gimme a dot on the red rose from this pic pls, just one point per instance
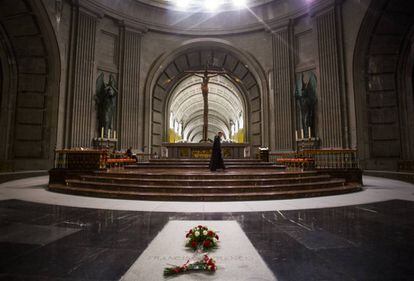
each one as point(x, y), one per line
point(217, 237)
point(194, 244)
point(207, 243)
point(213, 267)
point(200, 226)
point(210, 233)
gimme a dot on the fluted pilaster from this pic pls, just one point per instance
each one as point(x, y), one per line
point(283, 92)
point(131, 122)
point(331, 101)
point(82, 79)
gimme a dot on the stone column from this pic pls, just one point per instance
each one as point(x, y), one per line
point(82, 79)
point(131, 119)
point(332, 106)
point(283, 90)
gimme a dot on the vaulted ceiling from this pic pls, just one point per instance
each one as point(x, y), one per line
point(224, 101)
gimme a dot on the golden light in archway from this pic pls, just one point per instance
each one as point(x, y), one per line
point(226, 111)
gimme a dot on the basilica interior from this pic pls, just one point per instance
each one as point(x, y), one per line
point(110, 119)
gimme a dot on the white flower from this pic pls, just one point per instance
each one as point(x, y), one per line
point(214, 240)
point(205, 232)
point(197, 233)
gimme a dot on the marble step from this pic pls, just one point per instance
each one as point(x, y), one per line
point(286, 194)
point(204, 166)
point(201, 175)
point(205, 182)
point(204, 160)
point(192, 162)
point(204, 189)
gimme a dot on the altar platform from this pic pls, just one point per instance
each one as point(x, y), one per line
point(203, 150)
point(190, 180)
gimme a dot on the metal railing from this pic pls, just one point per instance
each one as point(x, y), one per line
point(333, 158)
point(319, 158)
point(144, 157)
point(84, 159)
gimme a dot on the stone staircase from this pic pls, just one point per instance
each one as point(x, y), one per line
point(173, 180)
point(204, 163)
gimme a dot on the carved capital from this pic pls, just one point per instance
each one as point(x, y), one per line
point(133, 26)
point(279, 26)
point(86, 8)
point(323, 6)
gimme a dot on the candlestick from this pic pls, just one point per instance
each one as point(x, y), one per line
point(309, 132)
point(296, 135)
point(109, 133)
point(102, 132)
point(301, 134)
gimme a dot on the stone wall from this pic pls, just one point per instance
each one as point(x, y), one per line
point(296, 43)
point(384, 102)
point(30, 90)
point(104, 36)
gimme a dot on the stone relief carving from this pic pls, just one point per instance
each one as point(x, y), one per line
point(305, 94)
point(105, 101)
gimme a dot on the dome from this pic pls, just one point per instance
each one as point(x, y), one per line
point(204, 5)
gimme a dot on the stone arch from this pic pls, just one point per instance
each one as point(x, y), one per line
point(381, 133)
point(225, 103)
point(31, 69)
point(170, 68)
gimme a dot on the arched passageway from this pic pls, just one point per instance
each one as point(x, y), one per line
point(241, 89)
point(225, 106)
point(384, 103)
point(30, 67)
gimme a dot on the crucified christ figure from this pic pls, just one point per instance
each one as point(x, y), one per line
point(206, 75)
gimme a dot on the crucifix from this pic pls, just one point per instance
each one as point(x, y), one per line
point(206, 75)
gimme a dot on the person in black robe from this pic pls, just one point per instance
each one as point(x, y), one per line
point(216, 161)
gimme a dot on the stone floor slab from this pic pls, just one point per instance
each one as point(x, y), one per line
point(33, 234)
point(236, 257)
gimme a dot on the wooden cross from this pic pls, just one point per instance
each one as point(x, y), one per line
point(206, 74)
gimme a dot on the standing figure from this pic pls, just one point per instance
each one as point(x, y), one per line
point(105, 101)
point(216, 161)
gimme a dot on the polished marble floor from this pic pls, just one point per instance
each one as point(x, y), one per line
point(375, 189)
point(371, 241)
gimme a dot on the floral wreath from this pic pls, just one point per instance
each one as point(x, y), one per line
point(205, 264)
point(201, 237)
point(198, 238)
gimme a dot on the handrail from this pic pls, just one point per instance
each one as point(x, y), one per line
point(86, 158)
point(80, 159)
point(323, 158)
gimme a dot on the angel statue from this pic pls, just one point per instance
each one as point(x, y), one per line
point(305, 95)
point(105, 101)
